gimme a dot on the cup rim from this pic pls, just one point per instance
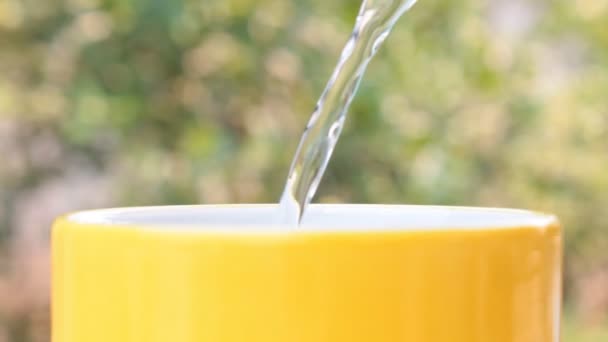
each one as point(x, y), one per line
point(319, 217)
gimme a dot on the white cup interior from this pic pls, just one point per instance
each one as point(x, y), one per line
point(324, 217)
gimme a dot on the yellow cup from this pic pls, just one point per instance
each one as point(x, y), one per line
point(349, 273)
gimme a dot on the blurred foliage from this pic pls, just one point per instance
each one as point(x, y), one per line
point(140, 102)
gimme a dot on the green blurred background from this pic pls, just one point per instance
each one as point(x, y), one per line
point(141, 102)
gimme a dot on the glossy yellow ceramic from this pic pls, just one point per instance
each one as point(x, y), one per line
point(350, 274)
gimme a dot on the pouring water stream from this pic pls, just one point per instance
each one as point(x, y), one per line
point(374, 22)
